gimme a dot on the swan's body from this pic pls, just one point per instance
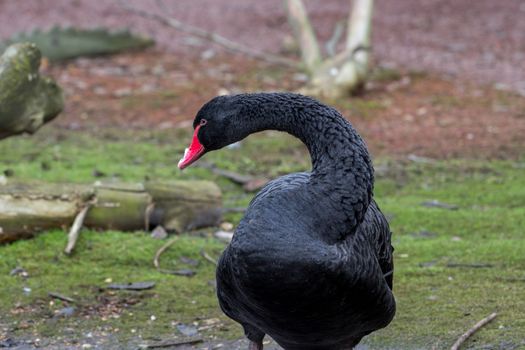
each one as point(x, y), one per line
point(310, 264)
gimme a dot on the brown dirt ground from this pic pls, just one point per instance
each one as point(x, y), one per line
point(482, 40)
point(467, 48)
point(398, 114)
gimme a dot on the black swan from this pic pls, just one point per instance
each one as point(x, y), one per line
point(310, 264)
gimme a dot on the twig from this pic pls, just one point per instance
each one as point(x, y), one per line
point(331, 44)
point(162, 250)
point(75, 229)
point(132, 286)
point(169, 343)
point(213, 37)
point(473, 265)
point(207, 257)
point(60, 297)
point(230, 175)
point(473, 330)
point(182, 272)
point(147, 215)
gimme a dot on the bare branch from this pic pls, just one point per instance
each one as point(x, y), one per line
point(359, 24)
point(75, 229)
point(331, 44)
point(208, 257)
point(473, 330)
point(213, 37)
point(162, 250)
point(304, 33)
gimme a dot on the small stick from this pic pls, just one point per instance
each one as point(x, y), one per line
point(147, 214)
point(162, 250)
point(473, 330)
point(170, 343)
point(207, 257)
point(60, 297)
point(75, 229)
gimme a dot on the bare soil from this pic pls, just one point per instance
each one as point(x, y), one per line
point(453, 111)
point(398, 114)
point(482, 40)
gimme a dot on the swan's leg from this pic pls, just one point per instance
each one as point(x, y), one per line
point(255, 345)
point(255, 336)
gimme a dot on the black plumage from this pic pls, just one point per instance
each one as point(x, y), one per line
point(310, 264)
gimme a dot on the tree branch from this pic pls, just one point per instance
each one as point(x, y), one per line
point(473, 330)
point(75, 229)
point(304, 33)
point(210, 36)
point(331, 44)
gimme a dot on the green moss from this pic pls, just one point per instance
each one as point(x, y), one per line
point(360, 107)
point(385, 75)
point(436, 302)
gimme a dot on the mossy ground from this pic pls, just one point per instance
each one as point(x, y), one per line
point(436, 302)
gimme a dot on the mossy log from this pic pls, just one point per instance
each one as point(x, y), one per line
point(27, 100)
point(27, 208)
point(59, 44)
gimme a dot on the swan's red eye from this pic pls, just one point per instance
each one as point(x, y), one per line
point(203, 122)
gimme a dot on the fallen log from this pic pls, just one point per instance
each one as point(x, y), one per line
point(28, 208)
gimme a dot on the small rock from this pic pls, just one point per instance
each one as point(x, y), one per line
point(66, 312)
point(187, 330)
point(189, 261)
point(159, 233)
point(227, 226)
point(224, 236)
point(19, 271)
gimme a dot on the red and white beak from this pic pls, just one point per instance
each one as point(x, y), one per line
point(192, 153)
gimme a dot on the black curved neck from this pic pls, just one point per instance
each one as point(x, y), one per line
point(341, 165)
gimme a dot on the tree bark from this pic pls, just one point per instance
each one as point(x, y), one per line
point(347, 71)
point(27, 100)
point(27, 208)
point(304, 34)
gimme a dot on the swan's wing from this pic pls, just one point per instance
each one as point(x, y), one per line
point(285, 182)
point(376, 228)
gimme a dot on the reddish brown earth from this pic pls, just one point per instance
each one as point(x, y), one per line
point(398, 115)
point(483, 40)
point(452, 111)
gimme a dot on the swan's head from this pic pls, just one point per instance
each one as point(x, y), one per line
point(216, 125)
